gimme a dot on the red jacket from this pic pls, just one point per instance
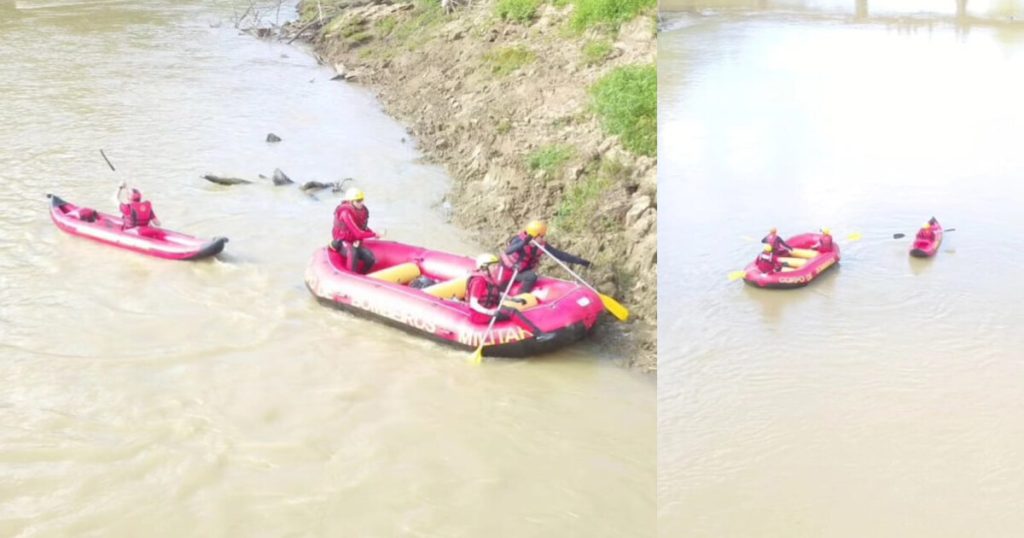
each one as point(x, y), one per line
point(350, 223)
point(485, 290)
point(926, 234)
point(825, 245)
point(767, 262)
point(137, 214)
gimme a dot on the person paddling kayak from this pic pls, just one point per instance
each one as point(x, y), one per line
point(484, 293)
point(135, 213)
point(776, 242)
point(523, 255)
point(926, 233)
point(350, 229)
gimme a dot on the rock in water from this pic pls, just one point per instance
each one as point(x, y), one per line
point(280, 178)
point(273, 138)
point(316, 185)
point(223, 180)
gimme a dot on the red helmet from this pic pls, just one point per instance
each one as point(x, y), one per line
point(136, 195)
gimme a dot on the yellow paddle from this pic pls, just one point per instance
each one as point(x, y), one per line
point(736, 275)
point(855, 236)
point(611, 305)
point(478, 355)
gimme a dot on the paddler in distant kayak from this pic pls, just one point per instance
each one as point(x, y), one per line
point(778, 245)
point(825, 242)
point(484, 294)
point(926, 233)
point(350, 229)
point(523, 254)
point(135, 213)
point(768, 261)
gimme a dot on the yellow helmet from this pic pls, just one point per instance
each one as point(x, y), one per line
point(826, 231)
point(767, 248)
point(354, 194)
point(537, 228)
point(483, 260)
point(927, 225)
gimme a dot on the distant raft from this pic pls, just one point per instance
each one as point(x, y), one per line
point(104, 228)
point(564, 311)
point(927, 249)
point(804, 266)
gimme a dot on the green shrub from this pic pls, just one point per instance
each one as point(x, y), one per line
point(626, 101)
point(549, 159)
point(507, 60)
point(522, 11)
point(589, 13)
point(595, 52)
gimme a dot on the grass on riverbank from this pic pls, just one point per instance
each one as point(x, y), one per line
point(626, 101)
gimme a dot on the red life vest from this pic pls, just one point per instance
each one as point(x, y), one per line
point(926, 235)
point(341, 231)
point(137, 214)
point(525, 258)
point(825, 245)
point(483, 288)
point(766, 262)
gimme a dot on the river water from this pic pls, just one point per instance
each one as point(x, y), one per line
point(141, 397)
point(884, 399)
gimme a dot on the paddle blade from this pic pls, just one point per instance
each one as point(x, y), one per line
point(736, 275)
point(855, 236)
point(478, 356)
point(898, 236)
point(950, 230)
point(614, 307)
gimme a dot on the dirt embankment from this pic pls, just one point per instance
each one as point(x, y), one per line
point(509, 104)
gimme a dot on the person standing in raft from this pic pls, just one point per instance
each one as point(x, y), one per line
point(776, 242)
point(484, 293)
point(523, 254)
point(350, 229)
point(135, 213)
point(768, 261)
point(825, 243)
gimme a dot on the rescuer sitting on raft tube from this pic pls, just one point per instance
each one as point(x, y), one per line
point(135, 213)
point(768, 260)
point(523, 254)
point(825, 243)
point(484, 294)
point(926, 233)
point(350, 229)
point(776, 242)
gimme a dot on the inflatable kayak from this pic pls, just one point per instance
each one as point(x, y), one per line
point(563, 311)
point(158, 242)
point(805, 264)
point(927, 249)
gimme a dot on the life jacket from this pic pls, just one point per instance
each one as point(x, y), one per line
point(137, 214)
point(361, 216)
point(766, 262)
point(491, 297)
point(926, 235)
point(825, 245)
point(525, 258)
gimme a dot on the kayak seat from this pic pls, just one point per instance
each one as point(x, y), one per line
point(403, 273)
point(449, 289)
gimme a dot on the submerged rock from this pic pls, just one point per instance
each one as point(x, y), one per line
point(280, 178)
point(273, 138)
point(224, 180)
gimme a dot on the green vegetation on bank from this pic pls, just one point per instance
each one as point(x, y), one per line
point(507, 60)
point(549, 159)
point(626, 101)
point(595, 52)
point(578, 210)
point(517, 10)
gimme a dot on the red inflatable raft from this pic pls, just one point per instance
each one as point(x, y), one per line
point(564, 311)
point(927, 249)
point(804, 265)
point(104, 228)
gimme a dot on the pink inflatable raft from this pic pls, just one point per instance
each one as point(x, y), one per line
point(927, 249)
point(158, 242)
point(563, 310)
point(803, 266)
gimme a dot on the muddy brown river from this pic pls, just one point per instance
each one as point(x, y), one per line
point(141, 397)
point(885, 398)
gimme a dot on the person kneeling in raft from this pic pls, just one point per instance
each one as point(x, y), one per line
point(926, 233)
point(776, 242)
point(350, 229)
point(484, 293)
point(825, 243)
point(523, 254)
point(135, 213)
point(768, 261)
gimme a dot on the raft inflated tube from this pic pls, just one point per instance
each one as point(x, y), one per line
point(531, 301)
point(804, 253)
point(449, 289)
point(398, 274)
point(793, 262)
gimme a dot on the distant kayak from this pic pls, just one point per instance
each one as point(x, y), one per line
point(105, 228)
point(804, 266)
point(927, 249)
point(565, 311)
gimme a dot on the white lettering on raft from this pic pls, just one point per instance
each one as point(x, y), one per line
point(475, 338)
point(396, 314)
